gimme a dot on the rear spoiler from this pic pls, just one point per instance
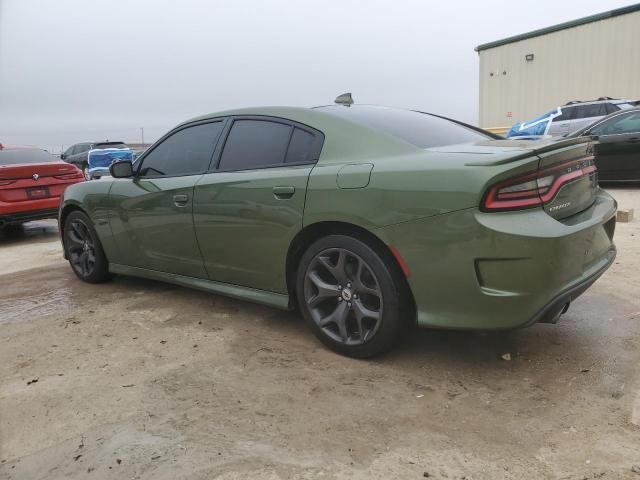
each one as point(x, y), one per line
point(533, 149)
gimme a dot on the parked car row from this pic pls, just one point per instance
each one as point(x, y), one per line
point(616, 135)
point(78, 154)
point(569, 117)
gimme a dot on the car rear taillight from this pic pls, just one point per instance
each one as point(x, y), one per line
point(70, 176)
point(536, 188)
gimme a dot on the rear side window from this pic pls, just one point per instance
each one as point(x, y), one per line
point(610, 108)
point(593, 110)
point(186, 152)
point(420, 129)
point(25, 155)
point(255, 144)
point(304, 147)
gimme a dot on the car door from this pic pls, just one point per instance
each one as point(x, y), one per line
point(586, 115)
point(561, 124)
point(152, 213)
point(248, 210)
point(618, 148)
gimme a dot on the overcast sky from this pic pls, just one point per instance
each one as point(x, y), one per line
point(79, 70)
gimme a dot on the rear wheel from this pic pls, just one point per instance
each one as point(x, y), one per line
point(349, 296)
point(84, 250)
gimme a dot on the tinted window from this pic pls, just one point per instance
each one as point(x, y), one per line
point(620, 124)
point(568, 113)
point(186, 152)
point(610, 108)
point(588, 111)
point(302, 148)
point(111, 145)
point(255, 144)
point(420, 129)
point(25, 155)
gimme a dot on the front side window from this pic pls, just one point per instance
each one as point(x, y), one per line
point(568, 113)
point(255, 144)
point(186, 152)
point(621, 124)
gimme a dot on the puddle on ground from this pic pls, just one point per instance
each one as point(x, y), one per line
point(40, 304)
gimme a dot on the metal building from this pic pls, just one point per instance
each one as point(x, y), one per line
point(526, 75)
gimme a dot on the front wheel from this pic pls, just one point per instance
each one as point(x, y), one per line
point(350, 296)
point(84, 250)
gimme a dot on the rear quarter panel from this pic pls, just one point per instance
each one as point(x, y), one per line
point(404, 187)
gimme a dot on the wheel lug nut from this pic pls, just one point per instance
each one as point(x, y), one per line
point(339, 287)
point(339, 299)
point(349, 304)
point(355, 295)
point(349, 285)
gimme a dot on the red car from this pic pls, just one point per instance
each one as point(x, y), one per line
point(31, 184)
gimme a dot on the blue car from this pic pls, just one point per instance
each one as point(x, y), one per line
point(100, 159)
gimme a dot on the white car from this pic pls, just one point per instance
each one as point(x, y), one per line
point(569, 117)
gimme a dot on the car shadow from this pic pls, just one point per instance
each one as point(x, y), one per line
point(554, 346)
point(37, 231)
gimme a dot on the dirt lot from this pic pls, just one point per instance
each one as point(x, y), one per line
point(141, 380)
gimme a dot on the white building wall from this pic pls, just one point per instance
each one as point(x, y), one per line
point(580, 63)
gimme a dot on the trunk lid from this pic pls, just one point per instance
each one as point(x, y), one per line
point(565, 181)
point(42, 170)
point(574, 162)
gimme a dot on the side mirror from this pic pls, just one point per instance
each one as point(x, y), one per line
point(62, 156)
point(121, 169)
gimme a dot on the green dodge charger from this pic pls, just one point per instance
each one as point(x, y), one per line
point(365, 218)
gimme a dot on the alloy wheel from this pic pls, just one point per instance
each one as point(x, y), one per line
point(343, 296)
point(81, 248)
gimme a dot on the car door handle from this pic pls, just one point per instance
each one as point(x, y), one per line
point(180, 200)
point(284, 192)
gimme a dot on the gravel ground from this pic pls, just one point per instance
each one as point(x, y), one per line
point(136, 379)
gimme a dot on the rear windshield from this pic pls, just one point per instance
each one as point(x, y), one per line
point(111, 145)
point(25, 155)
point(420, 129)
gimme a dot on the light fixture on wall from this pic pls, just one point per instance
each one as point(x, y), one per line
point(529, 57)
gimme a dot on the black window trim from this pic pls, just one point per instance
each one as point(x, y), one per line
point(215, 164)
point(140, 160)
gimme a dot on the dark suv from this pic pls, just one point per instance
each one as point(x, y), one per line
point(77, 154)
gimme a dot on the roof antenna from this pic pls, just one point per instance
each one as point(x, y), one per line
point(344, 99)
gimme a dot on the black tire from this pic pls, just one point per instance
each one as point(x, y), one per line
point(372, 296)
point(83, 249)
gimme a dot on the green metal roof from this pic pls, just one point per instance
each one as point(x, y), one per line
point(561, 26)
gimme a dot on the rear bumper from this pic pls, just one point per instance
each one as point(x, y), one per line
point(551, 312)
point(474, 270)
point(28, 216)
